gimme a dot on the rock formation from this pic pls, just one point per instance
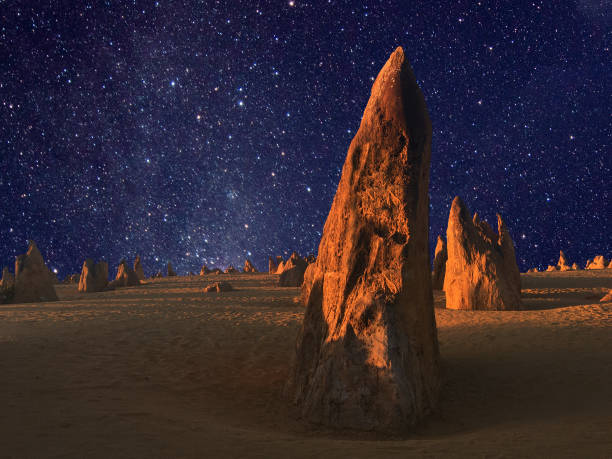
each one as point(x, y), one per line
point(481, 271)
point(138, 268)
point(599, 262)
point(94, 277)
point(280, 266)
point(367, 352)
point(610, 264)
point(533, 270)
point(216, 271)
point(219, 287)
point(126, 277)
point(171, 271)
point(204, 270)
point(230, 270)
point(552, 268)
point(563, 264)
point(439, 264)
point(575, 267)
point(7, 286)
point(32, 280)
point(249, 268)
point(272, 265)
point(607, 297)
point(292, 273)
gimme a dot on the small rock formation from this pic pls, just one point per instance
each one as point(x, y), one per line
point(249, 268)
point(575, 267)
point(481, 271)
point(32, 280)
point(94, 277)
point(599, 262)
point(367, 353)
point(552, 268)
point(216, 271)
point(219, 287)
point(171, 271)
point(204, 270)
point(439, 265)
point(126, 277)
point(533, 270)
point(272, 265)
point(138, 268)
point(292, 274)
point(563, 264)
point(230, 270)
point(7, 286)
point(610, 264)
point(607, 297)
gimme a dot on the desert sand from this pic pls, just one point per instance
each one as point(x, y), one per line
point(163, 370)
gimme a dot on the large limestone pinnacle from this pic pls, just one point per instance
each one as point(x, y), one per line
point(367, 353)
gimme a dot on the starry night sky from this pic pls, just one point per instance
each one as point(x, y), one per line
point(208, 132)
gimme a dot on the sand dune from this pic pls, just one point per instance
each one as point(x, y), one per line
point(165, 371)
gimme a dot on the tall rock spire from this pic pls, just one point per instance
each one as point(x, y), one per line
point(367, 353)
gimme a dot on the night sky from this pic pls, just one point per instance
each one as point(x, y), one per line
point(208, 132)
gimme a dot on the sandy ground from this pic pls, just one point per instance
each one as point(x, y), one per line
point(163, 370)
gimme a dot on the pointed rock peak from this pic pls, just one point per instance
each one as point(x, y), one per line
point(396, 97)
point(501, 226)
point(33, 252)
point(367, 354)
point(459, 211)
point(476, 219)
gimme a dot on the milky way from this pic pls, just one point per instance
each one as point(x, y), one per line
point(208, 132)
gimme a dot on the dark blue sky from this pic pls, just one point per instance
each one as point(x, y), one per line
point(206, 132)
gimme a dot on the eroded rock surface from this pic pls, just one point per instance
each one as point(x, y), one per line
point(481, 270)
point(439, 264)
point(367, 353)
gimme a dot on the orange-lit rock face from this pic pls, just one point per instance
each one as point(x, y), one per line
point(126, 277)
point(439, 264)
point(367, 353)
point(94, 277)
point(481, 270)
point(599, 262)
